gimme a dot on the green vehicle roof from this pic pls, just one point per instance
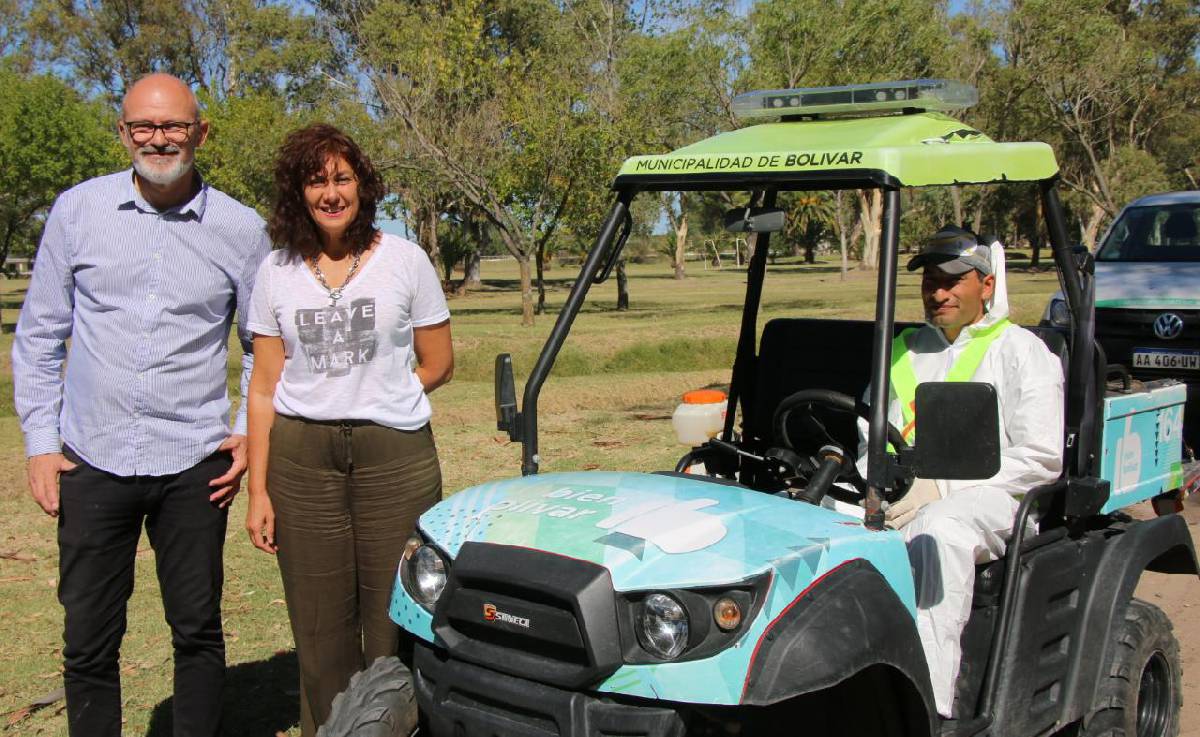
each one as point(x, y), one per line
point(914, 150)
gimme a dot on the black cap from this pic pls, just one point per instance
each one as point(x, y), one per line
point(955, 251)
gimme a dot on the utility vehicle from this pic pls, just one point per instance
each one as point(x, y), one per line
point(609, 603)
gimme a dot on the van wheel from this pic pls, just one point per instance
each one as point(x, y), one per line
point(1142, 694)
point(379, 702)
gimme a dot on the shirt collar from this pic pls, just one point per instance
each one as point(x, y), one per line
point(194, 207)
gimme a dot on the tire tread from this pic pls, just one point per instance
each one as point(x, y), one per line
point(378, 702)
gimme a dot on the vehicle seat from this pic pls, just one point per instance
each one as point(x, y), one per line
point(807, 353)
point(1056, 340)
point(1180, 228)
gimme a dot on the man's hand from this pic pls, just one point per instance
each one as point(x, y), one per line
point(230, 483)
point(923, 492)
point(43, 479)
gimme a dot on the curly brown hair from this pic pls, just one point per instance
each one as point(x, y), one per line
point(304, 154)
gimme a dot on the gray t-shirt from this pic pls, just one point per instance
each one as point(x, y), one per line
point(353, 361)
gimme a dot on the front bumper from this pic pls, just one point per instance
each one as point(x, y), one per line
point(458, 698)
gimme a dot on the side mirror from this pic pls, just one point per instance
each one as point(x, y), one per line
point(508, 418)
point(958, 430)
point(754, 220)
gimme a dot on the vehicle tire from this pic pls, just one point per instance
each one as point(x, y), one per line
point(379, 702)
point(1143, 690)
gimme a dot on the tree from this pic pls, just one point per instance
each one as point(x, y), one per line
point(676, 88)
point(812, 43)
point(495, 101)
point(222, 46)
point(1110, 79)
point(239, 156)
point(810, 216)
point(50, 140)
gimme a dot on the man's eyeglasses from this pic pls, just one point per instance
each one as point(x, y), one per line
point(142, 131)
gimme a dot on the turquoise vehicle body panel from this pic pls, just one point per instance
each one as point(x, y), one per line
point(655, 532)
point(1143, 444)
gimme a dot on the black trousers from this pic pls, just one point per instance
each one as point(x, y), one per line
point(100, 520)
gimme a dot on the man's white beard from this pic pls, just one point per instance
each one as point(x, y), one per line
point(160, 176)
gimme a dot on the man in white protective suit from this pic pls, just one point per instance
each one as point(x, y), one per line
point(950, 526)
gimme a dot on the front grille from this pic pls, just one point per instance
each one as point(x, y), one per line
point(1122, 331)
point(458, 698)
point(530, 614)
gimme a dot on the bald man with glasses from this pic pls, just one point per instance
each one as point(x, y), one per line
point(143, 271)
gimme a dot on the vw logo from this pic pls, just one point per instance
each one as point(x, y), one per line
point(1168, 326)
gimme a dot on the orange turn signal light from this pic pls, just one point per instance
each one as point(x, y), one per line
point(727, 614)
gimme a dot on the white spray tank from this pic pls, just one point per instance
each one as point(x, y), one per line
point(700, 416)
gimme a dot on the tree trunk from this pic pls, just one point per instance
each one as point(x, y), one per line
point(681, 234)
point(540, 262)
point(870, 216)
point(841, 231)
point(1035, 237)
point(977, 218)
point(471, 279)
point(956, 198)
point(810, 253)
point(526, 291)
point(622, 287)
point(1090, 227)
point(10, 230)
point(429, 237)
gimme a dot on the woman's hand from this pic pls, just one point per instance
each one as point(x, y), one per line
point(260, 522)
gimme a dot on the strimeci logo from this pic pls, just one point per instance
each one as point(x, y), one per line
point(492, 614)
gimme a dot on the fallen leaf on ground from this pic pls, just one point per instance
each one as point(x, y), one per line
point(17, 555)
point(38, 703)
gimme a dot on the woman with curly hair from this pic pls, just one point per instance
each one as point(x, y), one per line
point(351, 332)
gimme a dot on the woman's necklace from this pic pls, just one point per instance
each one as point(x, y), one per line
point(335, 293)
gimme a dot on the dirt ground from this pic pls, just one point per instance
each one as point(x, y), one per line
point(1178, 597)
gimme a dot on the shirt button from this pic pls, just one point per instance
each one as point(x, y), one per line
point(158, 257)
point(151, 297)
point(136, 414)
point(141, 376)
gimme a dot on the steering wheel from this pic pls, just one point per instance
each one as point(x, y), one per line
point(803, 402)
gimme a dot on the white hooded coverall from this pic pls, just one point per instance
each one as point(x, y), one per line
point(972, 521)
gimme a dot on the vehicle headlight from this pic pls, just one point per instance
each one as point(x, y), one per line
point(1060, 315)
point(663, 626)
point(424, 572)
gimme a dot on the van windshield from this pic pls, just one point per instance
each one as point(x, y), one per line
point(1154, 233)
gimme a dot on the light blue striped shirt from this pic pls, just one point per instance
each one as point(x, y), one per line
point(147, 299)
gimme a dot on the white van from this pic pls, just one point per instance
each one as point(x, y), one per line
point(1148, 295)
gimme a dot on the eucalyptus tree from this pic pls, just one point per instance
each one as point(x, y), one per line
point(1111, 82)
point(221, 46)
point(814, 43)
point(495, 100)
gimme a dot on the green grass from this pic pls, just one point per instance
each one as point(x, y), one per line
point(605, 406)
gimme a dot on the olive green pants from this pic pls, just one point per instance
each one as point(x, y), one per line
point(346, 498)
